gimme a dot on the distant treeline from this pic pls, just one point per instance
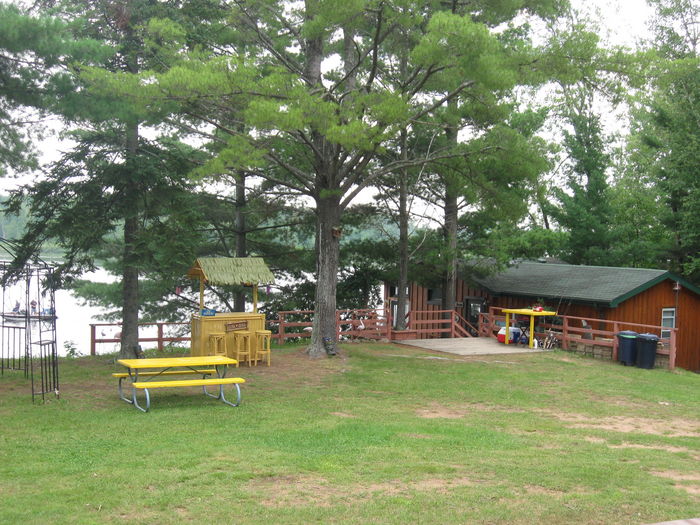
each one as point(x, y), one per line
point(12, 226)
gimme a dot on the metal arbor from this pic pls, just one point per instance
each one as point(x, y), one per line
point(28, 325)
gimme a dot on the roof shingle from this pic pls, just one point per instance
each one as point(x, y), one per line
point(597, 284)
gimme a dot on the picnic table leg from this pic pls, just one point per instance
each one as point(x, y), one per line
point(136, 403)
point(221, 395)
point(532, 329)
point(121, 392)
point(133, 399)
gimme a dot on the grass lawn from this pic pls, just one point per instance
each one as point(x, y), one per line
point(381, 434)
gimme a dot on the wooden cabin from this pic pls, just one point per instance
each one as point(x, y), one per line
point(632, 295)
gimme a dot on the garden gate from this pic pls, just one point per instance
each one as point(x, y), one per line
point(28, 324)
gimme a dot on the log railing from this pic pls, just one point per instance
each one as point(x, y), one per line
point(574, 330)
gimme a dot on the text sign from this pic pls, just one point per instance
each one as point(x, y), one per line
point(239, 325)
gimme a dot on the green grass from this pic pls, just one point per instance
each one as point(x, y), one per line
point(382, 434)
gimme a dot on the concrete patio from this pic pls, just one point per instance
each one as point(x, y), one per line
point(469, 346)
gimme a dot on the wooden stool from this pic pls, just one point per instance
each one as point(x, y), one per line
point(242, 341)
point(263, 338)
point(217, 344)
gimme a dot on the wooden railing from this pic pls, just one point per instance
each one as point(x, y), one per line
point(159, 338)
point(370, 323)
point(438, 323)
point(574, 330)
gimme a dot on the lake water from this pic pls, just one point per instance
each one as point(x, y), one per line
point(74, 319)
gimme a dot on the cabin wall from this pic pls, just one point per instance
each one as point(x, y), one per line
point(645, 308)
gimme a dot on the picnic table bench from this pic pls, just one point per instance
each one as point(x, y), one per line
point(147, 374)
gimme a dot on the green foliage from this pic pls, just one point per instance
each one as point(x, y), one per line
point(665, 143)
point(33, 54)
point(585, 212)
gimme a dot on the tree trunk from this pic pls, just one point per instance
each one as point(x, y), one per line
point(449, 292)
point(402, 304)
point(241, 248)
point(130, 271)
point(449, 295)
point(327, 259)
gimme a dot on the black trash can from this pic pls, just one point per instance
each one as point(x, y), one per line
point(646, 350)
point(627, 350)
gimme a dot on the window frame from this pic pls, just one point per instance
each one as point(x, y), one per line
point(666, 330)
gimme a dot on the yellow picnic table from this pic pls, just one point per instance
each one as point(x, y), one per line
point(525, 311)
point(146, 374)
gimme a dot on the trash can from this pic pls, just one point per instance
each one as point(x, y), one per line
point(627, 351)
point(646, 350)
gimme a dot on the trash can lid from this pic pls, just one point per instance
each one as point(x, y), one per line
point(648, 337)
point(628, 334)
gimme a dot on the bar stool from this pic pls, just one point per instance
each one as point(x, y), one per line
point(263, 338)
point(241, 339)
point(217, 344)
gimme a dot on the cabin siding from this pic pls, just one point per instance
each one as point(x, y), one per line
point(645, 308)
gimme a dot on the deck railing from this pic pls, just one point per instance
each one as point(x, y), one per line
point(571, 331)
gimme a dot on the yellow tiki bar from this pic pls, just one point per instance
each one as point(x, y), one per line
point(229, 333)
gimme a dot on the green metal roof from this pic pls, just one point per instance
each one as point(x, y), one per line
point(592, 284)
point(232, 270)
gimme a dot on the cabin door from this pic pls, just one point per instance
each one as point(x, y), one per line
point(472, 308)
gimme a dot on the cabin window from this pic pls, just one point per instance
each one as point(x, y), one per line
point(394, 291)
point(668, 320)
point(434, 295)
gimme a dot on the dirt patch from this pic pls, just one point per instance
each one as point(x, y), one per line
point(690, 489)
point(661, 427)
point(296, 491)
point(297, 368)
point(665, 448)
point(595, 440)
point(437, 411)
point(675, 475)
point(308, 490)
point(538, 489)
point(417, 436)
point(342, 414)
point(618, 401)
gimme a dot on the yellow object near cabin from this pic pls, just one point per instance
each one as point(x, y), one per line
point(531, 314)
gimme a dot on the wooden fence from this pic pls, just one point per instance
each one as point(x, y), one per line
point(115, 337)
point(370, 323)
point(573, 332)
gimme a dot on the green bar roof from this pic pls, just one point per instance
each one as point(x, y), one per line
point(232, 270)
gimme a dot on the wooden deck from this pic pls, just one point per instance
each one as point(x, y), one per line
point(469, 346)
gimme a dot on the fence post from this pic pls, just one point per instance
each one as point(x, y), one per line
point(565, 334)
point(92, 339)
point(389, 322)
point(280, 331)
point(616, 329)
point(160, 336)
point(672, 350)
